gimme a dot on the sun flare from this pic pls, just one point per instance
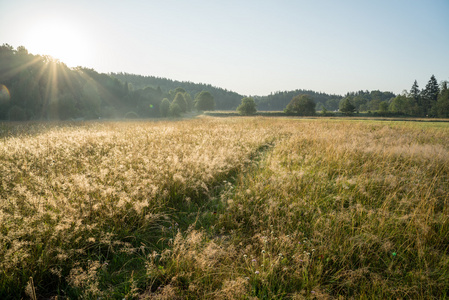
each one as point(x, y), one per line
point(61, 40)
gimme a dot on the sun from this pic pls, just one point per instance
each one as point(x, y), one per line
point(61, 40)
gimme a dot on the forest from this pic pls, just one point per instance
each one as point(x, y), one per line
point(38, 87)
point(431, 101)
point(224, 99)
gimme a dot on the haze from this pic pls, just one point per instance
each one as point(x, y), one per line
point(251, 47)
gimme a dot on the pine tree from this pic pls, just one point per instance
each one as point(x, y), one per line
point(442, 105)
point(429, 96)
point(415, 100)
point(347, 107)
point(414, 91)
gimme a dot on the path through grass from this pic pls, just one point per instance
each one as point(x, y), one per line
point(226, 209)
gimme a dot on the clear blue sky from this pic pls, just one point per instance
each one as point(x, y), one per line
point(251, 47)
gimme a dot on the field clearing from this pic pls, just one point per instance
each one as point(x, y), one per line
point(225, 208)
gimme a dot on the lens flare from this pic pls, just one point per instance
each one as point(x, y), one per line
point(62, 39)
point(4, 94)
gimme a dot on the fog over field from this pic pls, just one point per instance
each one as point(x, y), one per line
point(252, 48)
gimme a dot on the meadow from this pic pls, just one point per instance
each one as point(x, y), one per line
point(224, 208)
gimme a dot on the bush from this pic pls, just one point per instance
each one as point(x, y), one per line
point(301, 105)
point(326, 113)
point(248, 107)
point(204, 101)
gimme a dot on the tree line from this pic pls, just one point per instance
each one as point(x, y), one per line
point(224, 99)
point(432, 101)
point(279, 100)
point(38, 87)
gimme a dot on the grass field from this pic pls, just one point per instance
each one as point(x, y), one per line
point(225, 208)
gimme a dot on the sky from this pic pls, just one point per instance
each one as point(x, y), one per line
point(250, 47)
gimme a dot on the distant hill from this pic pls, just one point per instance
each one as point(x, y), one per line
point(224, 99)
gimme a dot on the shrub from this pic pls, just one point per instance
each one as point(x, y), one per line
point(248, 107)
point(301, 105)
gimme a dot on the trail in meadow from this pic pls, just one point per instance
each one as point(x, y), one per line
point(225, 209)
point(96, 198)
point(333, 209)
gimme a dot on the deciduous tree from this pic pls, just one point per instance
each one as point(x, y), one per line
point(164, 108)
point(248, 107)
point(181, 101)
point(204, 101)
point(301, 105)
point(174, 110)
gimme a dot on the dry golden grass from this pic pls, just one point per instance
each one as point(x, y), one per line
point(357, 209)
point(235, 208)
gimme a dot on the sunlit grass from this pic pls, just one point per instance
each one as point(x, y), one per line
point(228, 208)
point(355, 210)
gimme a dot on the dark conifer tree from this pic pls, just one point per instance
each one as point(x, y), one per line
point(429, 96)
point(347, 107)
point(414, 91)
point(415, 96)
point(442, 105)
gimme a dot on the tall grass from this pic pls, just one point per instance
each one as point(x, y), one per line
point(225, 209)
point(355, 209)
